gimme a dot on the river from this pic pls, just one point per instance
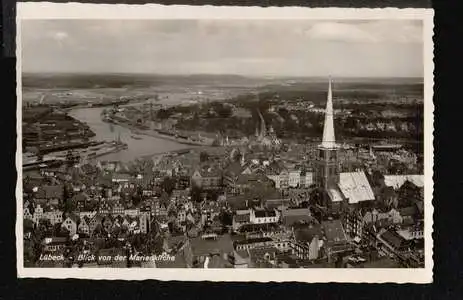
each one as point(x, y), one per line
point(145, 146)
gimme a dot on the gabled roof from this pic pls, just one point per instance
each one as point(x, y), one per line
point(396, 181)
point(234, 169)
point(263, 213)
point(73, 217)
point(420, 206)
point(223, 244)
point(252, 241)
point(108, 218)
point(88, 168)
point(355, 187)
point(259, 227)
point(97, 218)
point(334, 232)
point(335, 195)
point(52, 191)
point(393, 238)
point(408, 211)
point(297, 215)
point(244, 218)
point(79, 197)
point(85, 220)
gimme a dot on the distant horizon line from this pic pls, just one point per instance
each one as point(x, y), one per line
point(218, 74)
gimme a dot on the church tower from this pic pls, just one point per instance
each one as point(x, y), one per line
point(327, 169)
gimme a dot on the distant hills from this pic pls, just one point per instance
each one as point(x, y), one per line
point(114, 80)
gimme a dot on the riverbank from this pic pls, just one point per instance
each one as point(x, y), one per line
point(148, 146)
point(155, 133)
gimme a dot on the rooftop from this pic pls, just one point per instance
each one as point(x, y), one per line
point(355, 187)
point(396, 181)
point(334, 232)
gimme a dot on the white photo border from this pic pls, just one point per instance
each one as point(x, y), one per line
point(47, 10)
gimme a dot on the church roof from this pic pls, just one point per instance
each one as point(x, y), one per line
point(335, 195)
point(355, 187)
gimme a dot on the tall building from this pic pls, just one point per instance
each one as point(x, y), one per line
point(327, 168)
point(342, 187)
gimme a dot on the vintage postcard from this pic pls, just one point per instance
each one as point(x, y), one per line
point(224, 143)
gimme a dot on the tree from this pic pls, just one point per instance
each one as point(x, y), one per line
point(226, 218)
point(168, 185)
point(196, 194)
point(377, 178)
point(223, 111)
point(203, 156)
point(163, 114)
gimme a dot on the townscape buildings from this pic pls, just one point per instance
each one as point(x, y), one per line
point(249, 205)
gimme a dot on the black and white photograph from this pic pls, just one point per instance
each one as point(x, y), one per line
point(252, 140)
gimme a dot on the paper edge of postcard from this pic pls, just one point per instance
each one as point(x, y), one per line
point(423, 275)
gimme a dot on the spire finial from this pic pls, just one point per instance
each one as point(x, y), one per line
point(328, 129)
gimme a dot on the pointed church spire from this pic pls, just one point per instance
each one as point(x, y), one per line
point(328, 129)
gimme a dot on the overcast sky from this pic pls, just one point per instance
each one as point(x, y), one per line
point(254, 47)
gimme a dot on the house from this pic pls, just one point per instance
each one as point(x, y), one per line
point(264, 257)
point(145, 220)
point(292, 216)
point(132, 212)
point(209, 211)
point(306, 179)
point(118, 208)
point(159, 210)
point(197, 250)
point(353, 223)
point(51, 194)
point(412, 232)
point(294, 178)
point(121, 178)
point(240, 219)
point(104, 207)
point(282, 240)
point(95, 223)
point(133, 225)
point(84, 226)
point(108, 223)
point(27, 214)
point(263, 216)
point(70, 224)
point(307, 242)
point(80, 200)
point(298, 196)
point(253, 243)
point(279, 176)
point(55, 216)
point(181, 216)
point(278, 204)
point(207, 178)
point(335, 237)
point(89, 214)
point(396, 181)
point(231, 175)
point(38, 214)
point(217, 261)
point(240, 259)
point(392, 243)
point(249, 182)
